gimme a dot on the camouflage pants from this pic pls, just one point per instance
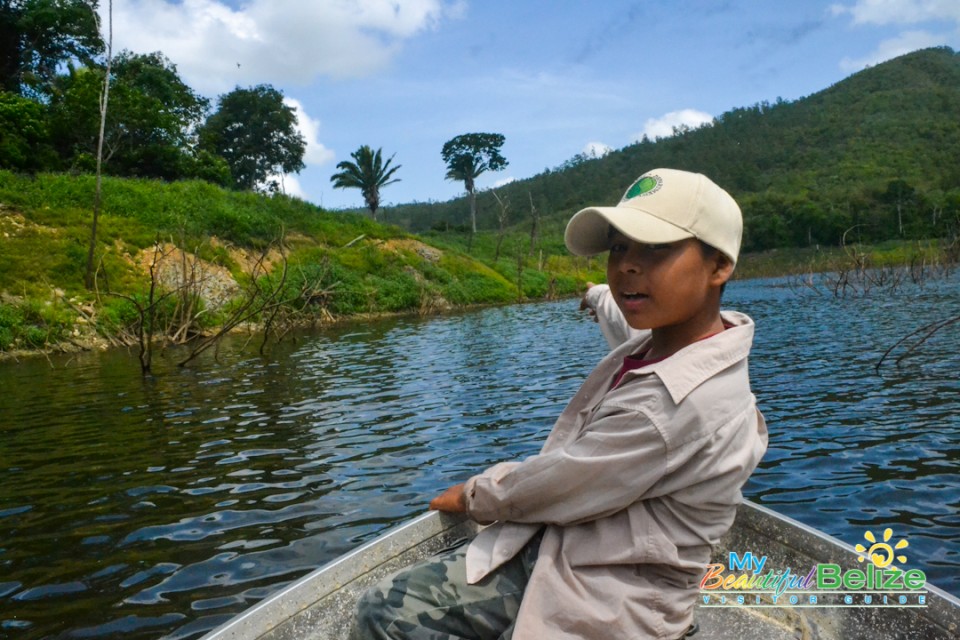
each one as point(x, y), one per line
point(432, 600)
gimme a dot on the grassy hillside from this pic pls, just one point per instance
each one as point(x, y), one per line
point(337, 265)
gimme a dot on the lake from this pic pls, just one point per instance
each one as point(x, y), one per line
point(161, 506)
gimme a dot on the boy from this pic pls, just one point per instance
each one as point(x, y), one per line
point(605, 533)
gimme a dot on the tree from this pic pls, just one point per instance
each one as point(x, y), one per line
point(368, 173)
point(38, 36)
point(160, 112)
point(24, 135)
point(151, 126)
point(256, 133)
point(469, 155)
point(901, 197)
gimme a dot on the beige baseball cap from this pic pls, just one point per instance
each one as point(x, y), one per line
point(663, 205)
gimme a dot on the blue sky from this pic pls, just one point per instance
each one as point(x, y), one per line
point(556, 78)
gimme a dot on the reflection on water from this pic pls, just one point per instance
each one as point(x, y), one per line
point(162, 506)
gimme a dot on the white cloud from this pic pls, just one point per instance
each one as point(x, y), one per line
point(596, 149)
point(882, 12)
point(316, 153)
point(217, 47)
point(888, 49)
point(502, 181)
point(900, 12)
point(289, 185)
point(663, 126)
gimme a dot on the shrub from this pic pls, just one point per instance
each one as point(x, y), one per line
point(11, 323)
point(33, 324)
point(396, 292)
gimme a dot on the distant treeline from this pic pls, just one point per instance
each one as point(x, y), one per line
point(875, 157)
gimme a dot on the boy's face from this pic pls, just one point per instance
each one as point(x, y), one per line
point(665, 285)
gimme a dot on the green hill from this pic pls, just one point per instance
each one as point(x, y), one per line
point(878, 152)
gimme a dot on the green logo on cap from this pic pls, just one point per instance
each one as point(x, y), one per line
point(644, 186)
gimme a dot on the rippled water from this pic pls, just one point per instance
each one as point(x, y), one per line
point(160, 507)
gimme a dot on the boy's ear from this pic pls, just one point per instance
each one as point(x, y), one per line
point(722, 269)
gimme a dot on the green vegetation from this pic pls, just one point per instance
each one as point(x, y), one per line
point(807, 260)
point(32, 324)
point(336, 264)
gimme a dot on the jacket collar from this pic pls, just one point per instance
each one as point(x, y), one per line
point(690, 367)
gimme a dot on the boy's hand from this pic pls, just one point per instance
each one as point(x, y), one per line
point(586, 307)
point(453, 500)
point(583, 301)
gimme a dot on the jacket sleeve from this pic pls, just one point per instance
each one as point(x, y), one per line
point(607, 467)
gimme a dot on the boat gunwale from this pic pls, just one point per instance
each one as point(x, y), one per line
point(278, 608)
point(267, 618)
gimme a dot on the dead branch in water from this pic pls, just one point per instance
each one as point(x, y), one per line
point(927, 330)
point(254, 301)
point(857, 276)
point(171, 308)
point(309, 301)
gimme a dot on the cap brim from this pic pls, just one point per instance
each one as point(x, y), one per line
point(587, 232)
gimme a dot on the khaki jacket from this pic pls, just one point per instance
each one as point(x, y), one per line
point(634, 485)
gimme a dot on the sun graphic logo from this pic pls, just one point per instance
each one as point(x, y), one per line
point(881, 554)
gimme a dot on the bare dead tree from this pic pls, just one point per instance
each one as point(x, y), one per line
point(275, 321)
point(534, 226)
point(191, 280)
point(307, 305)
point(856, 275)
point(170, 309)
point(504, 205)
point(89, 276)
point(258, 296)
point(143, 333)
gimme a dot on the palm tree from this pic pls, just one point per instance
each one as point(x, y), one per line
point(368, 173)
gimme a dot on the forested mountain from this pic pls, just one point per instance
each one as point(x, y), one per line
point(878, 152)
